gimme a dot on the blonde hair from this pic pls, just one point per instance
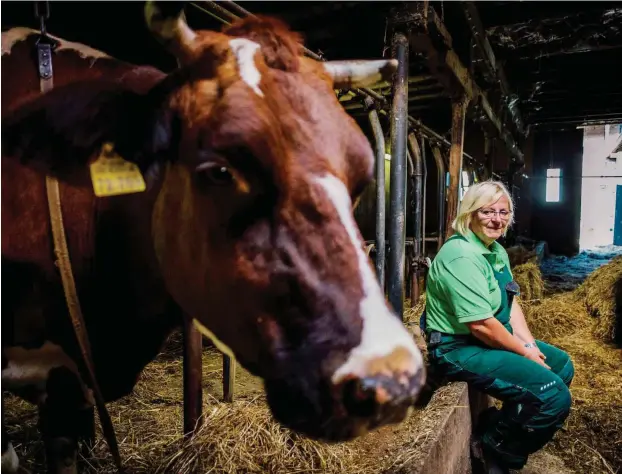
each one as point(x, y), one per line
point(480, 195)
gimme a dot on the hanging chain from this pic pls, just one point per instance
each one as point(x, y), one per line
point(42, 13)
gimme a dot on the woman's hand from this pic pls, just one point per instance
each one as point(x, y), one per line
point(533, 353)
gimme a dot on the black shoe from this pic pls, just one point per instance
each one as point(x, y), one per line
point(484, 462)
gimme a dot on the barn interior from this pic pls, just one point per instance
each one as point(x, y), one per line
point(522, 92)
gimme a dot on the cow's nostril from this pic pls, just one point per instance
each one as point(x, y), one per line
point(380, 395)
point(359, 397)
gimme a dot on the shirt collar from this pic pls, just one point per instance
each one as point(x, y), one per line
point(477, 242)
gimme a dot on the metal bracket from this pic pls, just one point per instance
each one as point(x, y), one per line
point(44, 56)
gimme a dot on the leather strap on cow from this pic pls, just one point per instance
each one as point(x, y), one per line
point(63, 262)
point(73, 304)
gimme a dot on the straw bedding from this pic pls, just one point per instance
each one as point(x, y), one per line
point(602, 293)
point(580, 322)
point(234, 438)
point(242, 437)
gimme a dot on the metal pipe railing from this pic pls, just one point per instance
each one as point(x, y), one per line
point(425, 193)
point(441, 177)
point(417, 214)
point(380, 192)
point(397, 192)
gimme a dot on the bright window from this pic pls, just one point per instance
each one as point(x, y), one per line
point(466, 182)
point(553, 184)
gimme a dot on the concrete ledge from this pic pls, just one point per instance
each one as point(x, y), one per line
point(448, 450)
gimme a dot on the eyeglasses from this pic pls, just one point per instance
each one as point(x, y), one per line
point(489, 213)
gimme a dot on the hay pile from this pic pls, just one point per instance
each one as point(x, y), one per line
point(412, 317)
point(590, 443)
point(240, 437)
point(556, 316)
point(529, 278)
point(602, 293)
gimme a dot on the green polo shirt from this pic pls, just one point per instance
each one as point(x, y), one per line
point(461, 285)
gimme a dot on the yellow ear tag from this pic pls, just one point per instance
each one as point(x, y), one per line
point(112, 175)
point(221, 346)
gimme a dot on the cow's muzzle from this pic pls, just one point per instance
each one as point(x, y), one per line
point(347, 409)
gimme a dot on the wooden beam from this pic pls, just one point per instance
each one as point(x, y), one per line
point(492, 69)
point(429, 36)
point(584, 31)
point(458, 115)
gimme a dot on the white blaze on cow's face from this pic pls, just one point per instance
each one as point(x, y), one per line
point(386, 347)
point(244, 51)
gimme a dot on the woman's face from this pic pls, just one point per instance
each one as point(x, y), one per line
point(489, 222)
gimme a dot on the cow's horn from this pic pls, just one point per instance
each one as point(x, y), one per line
point(364, 73)
point(167, 23)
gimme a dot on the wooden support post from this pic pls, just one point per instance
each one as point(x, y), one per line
point(458, 114)
point(193, 365)
point(229, 366)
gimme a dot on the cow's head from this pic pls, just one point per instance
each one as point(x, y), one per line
point(253, 224)
point(262, 246)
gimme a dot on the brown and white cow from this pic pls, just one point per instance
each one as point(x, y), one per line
point(251, 167)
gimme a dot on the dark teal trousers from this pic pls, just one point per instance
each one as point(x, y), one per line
point(536, 400)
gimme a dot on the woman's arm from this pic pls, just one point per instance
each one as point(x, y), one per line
point(521, 330)
point(492, 333)
point(519, 325)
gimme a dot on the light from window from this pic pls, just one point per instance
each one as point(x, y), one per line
point(553, 181)
point(466, 182)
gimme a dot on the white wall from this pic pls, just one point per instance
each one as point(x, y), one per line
point(598, 195)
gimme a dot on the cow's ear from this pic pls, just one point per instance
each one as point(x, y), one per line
point(61, 132)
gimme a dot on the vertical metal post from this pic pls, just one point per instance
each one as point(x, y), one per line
point(193, 393)
point(441, 177)
point(193, 365)
point(229, 366)
point(397, 195)
point(425, 193)
point(458, 113)
point(380, 191)
point(417, 191)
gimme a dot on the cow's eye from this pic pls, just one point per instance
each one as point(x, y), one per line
point(215, 174)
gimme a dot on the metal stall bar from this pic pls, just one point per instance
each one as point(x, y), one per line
point(425, 194)
point(380, 191)
point(192, 369)
point(441, 173)
point(417, 190)
point(397, 192)
point(192, 373)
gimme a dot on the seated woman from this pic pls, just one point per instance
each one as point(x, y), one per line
point(476, 332)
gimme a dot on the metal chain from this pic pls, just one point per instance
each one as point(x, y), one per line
point(42, 13)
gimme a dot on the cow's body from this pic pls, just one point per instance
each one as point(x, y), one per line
point(128, 312)
point(106, 240)
point(251, 167)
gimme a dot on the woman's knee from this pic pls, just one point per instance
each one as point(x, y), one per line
point(557, 407)
point(567, 371)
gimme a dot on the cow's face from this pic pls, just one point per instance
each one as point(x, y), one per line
point(256, 237)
